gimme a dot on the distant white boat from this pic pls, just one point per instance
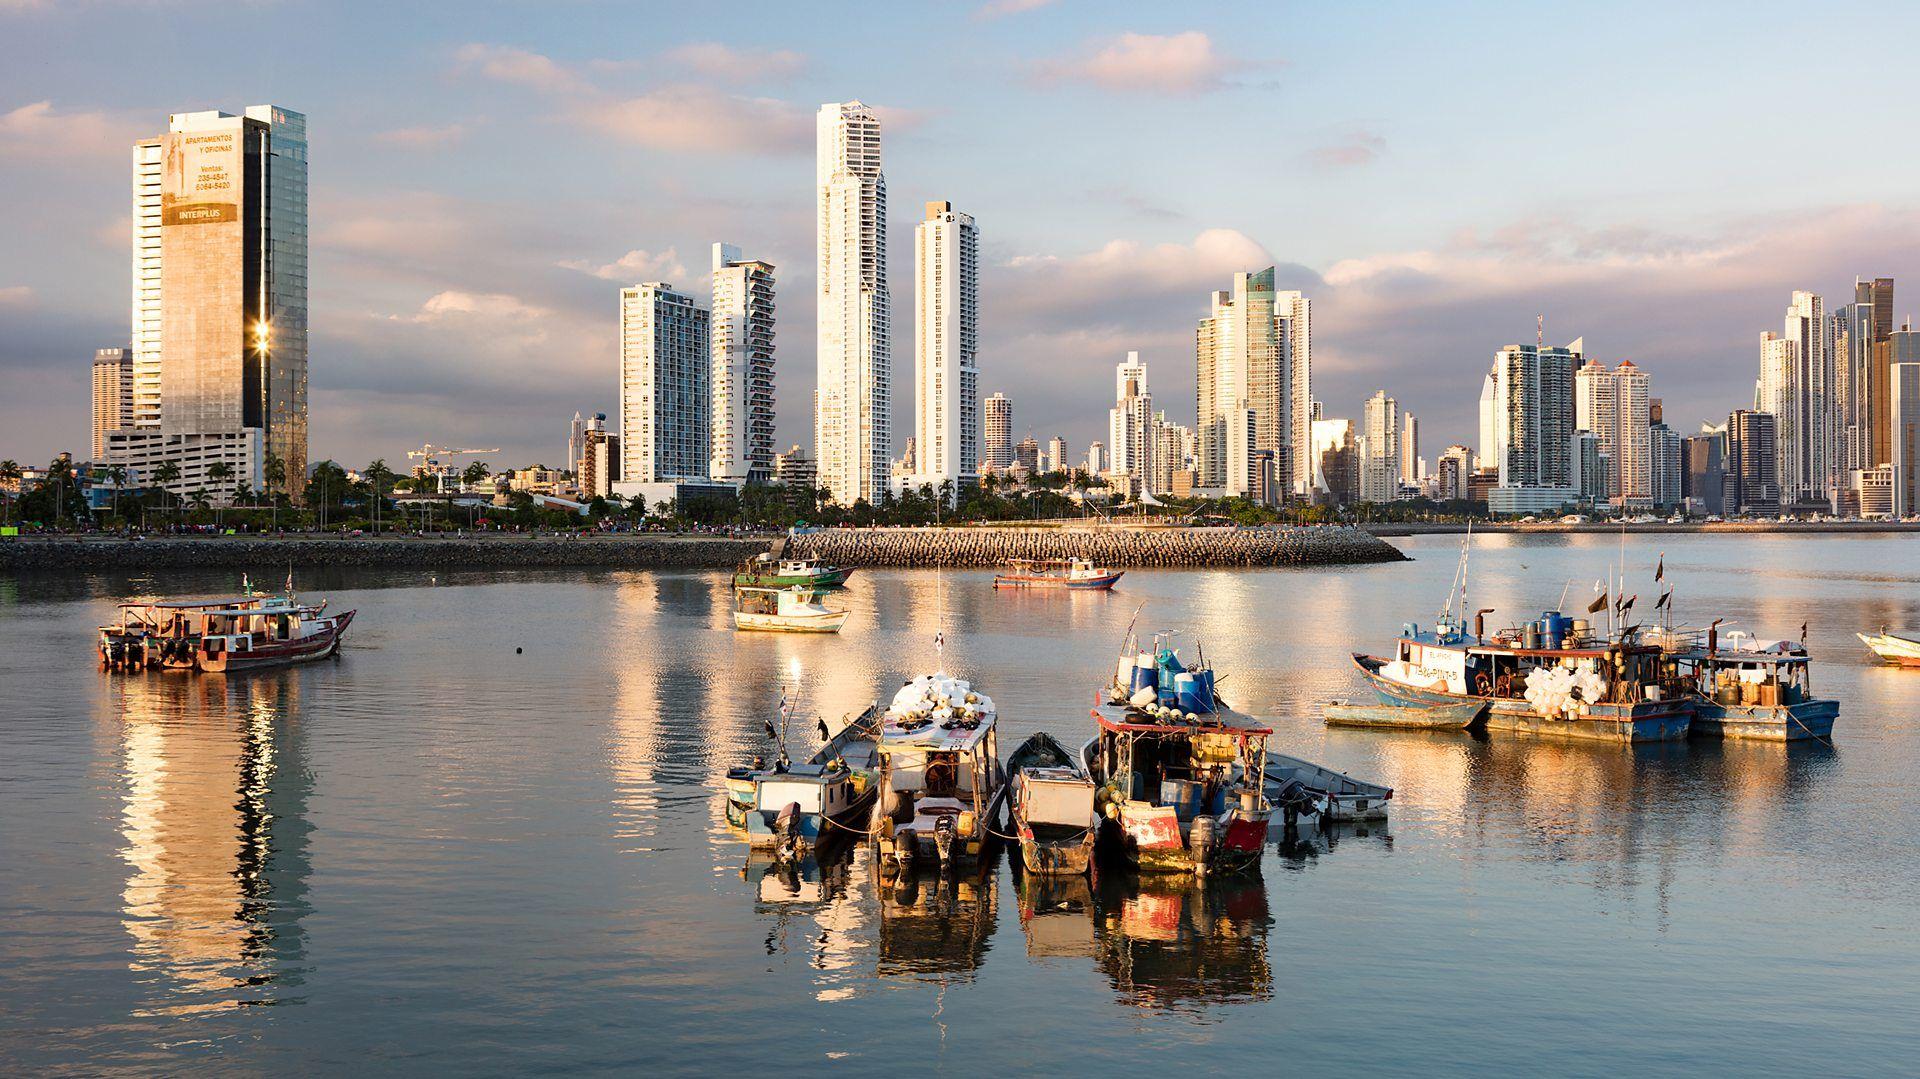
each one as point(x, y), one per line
point(785, 610)
point(1893, 647)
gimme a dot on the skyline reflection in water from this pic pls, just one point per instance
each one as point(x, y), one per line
point(440, 852)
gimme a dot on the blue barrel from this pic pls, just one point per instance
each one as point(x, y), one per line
point(1183, 694)
point(1557, 628)
point(1203, 702)
point(1144, 675)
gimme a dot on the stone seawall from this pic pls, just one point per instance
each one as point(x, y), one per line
point(1110, 547)
point(905, 547)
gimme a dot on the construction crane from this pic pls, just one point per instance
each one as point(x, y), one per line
point(430, 457)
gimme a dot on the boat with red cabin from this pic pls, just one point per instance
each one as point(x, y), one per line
point(1078, 574)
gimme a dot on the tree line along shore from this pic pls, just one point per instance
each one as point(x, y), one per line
point(1193, 547)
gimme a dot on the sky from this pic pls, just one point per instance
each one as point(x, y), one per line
point(485, 176)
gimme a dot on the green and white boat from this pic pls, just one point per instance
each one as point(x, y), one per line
point(766, 571)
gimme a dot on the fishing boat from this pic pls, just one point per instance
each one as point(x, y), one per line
point(1073, 573)
point(789, 609)
point(1752, 689)
point(1050, 801)
point(228, 635)
point(1179, 774)
point(768, 571)
point(1439, 717)
point(793, 808)
point(1336, 797)
point(1892, 647)
point(939, 774)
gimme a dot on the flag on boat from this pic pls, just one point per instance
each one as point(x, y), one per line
point(1660, 570)
point(1803, 633)
point(1599, 604)
point(1665, 598)
point(1627, 604)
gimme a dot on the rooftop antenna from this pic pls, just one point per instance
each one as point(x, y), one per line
point(1539, 331)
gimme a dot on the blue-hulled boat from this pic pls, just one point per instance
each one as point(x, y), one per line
point(828, 797)
point(1762, 691)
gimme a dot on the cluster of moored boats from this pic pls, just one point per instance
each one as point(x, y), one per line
point(777, 593)
point(1169, 780)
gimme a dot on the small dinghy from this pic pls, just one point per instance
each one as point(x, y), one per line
point(1901, 649)
point(1338, 797)
point(1050, 803)
point(1438, 717)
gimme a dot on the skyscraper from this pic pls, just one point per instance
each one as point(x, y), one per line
point(1297, 310)
point(1903, 413)
point(1815, 415)
point(1456, 465)
point(1704, 479)
point(112, 395)
point(1130, 423)
point(1380, 449)
point(665, 396)
point(219, 311)
point(853, 404)
point(1409, 449)
point(742, 377)
point(1780, 392)
point(1752, 482)
point(1244, 384)
point(1336, 472)
point(997, 422)
point(1534, 423)
point(946, 271)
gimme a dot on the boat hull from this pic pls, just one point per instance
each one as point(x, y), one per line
point(1641, 721)
point(786, 623)
point(1451, 717)
point(278, 653)
point(1101, 583)
point(1892, 649)
point(1055, 858)
point(1154, 841)
point(831, 578)
point(1808, 720)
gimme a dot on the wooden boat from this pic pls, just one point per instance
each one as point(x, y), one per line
point(797, 807)
point(1072, 573)
point(1179, 774)
point(939, 774)
point(1439, 717)
point(1892, 647)
point(230, 635)
point(767, 571)
point(1050, 803)
point(1757, 691)
point(1336, 796)
point(792, 609)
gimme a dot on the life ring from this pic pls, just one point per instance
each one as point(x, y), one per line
point(1482, 685)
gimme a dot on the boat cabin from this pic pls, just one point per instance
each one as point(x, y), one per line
point(934, 771)
point(1449, 659)
point(1769, 675)
point(780, 601)
point(1194, 767)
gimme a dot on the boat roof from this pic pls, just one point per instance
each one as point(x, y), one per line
point(1732, 655)
point(933, 737)
point(1116, 717)
point(197, 604)
point(1466, 642)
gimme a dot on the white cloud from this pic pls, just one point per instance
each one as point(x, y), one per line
point(454, 303)
point(16, 296)
point(635, 266)
point(504, 63)
point(699, 120)
point(423, 138)
point(713, 59)
point(1350, 150)
point(1184, 63)
point(36, 130)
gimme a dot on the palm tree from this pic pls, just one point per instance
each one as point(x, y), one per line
point(117, 474)
point(380, 476)
point(10, 477)
point(217, 472)
point(275, 475)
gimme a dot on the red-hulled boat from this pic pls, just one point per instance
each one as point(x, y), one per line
point(1075, 573)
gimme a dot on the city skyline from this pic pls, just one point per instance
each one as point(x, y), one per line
point(445, 309)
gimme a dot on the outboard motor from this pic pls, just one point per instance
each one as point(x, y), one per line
point(783, 831)
point(943, 837)
point(1200, 843)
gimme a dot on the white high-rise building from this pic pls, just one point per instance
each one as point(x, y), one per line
point(1096, 458)
point(665, 395)
point(742, 375)
point(853, 404)
point(1614, 406)
point(1780, 392)
point(946, 307)
point(1335, 470)
point(1534, 407)
point(149, 162)
point(1297, 310)
point(1410, 467)
point(1130, 422)
point(996, 424)
point(1816, 406)
point(1903, 411)
point(1489, 452)
point(1380, 449)
point(112, 395)
point(1244, 385)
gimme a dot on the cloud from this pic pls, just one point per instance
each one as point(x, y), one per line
point(699, 120)
point(504, 63)
point(635, 266)
point(1001, 8)
point(423, 138)
point(16, 296)
point(1352, 150)
point(1184, 63)
point(491, 305)
point(38, 131)
point(713, 59)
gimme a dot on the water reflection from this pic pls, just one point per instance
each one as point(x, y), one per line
point(1173, 941)
point(937, 925)
point(815, 911)
point(215, 836)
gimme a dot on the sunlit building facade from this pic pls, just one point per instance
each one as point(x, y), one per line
point(853, 400)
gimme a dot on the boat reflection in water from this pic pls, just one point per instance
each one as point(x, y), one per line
point(1163, 941)
point(816, 912)
point(934, 923)
point(214, 835)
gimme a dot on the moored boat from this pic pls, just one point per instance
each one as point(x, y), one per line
point(1754, 690)
point(1891, 647)
point(1073, 573)
point(1439, 717)
point(790, 609)
point(1336, 796)
point(228, 635)
point(798, 807)
point(1050, 803)
point(1179, 774)
point(939, 774)
point(766, 571)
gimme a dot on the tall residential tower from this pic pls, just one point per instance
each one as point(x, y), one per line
point(742, 377)
point(853, 433)
point(946, 313)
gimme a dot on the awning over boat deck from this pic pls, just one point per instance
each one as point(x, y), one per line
point(1115, 717)
point(933, 737)
point(198, 604)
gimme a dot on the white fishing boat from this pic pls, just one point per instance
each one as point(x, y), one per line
point(939, 774)
point(795, 609)
point(1892, 647)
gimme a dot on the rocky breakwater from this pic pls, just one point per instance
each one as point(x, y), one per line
point(1167, 547)
point(475, 552)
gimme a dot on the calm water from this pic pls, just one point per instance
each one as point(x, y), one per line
point(438, 853)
